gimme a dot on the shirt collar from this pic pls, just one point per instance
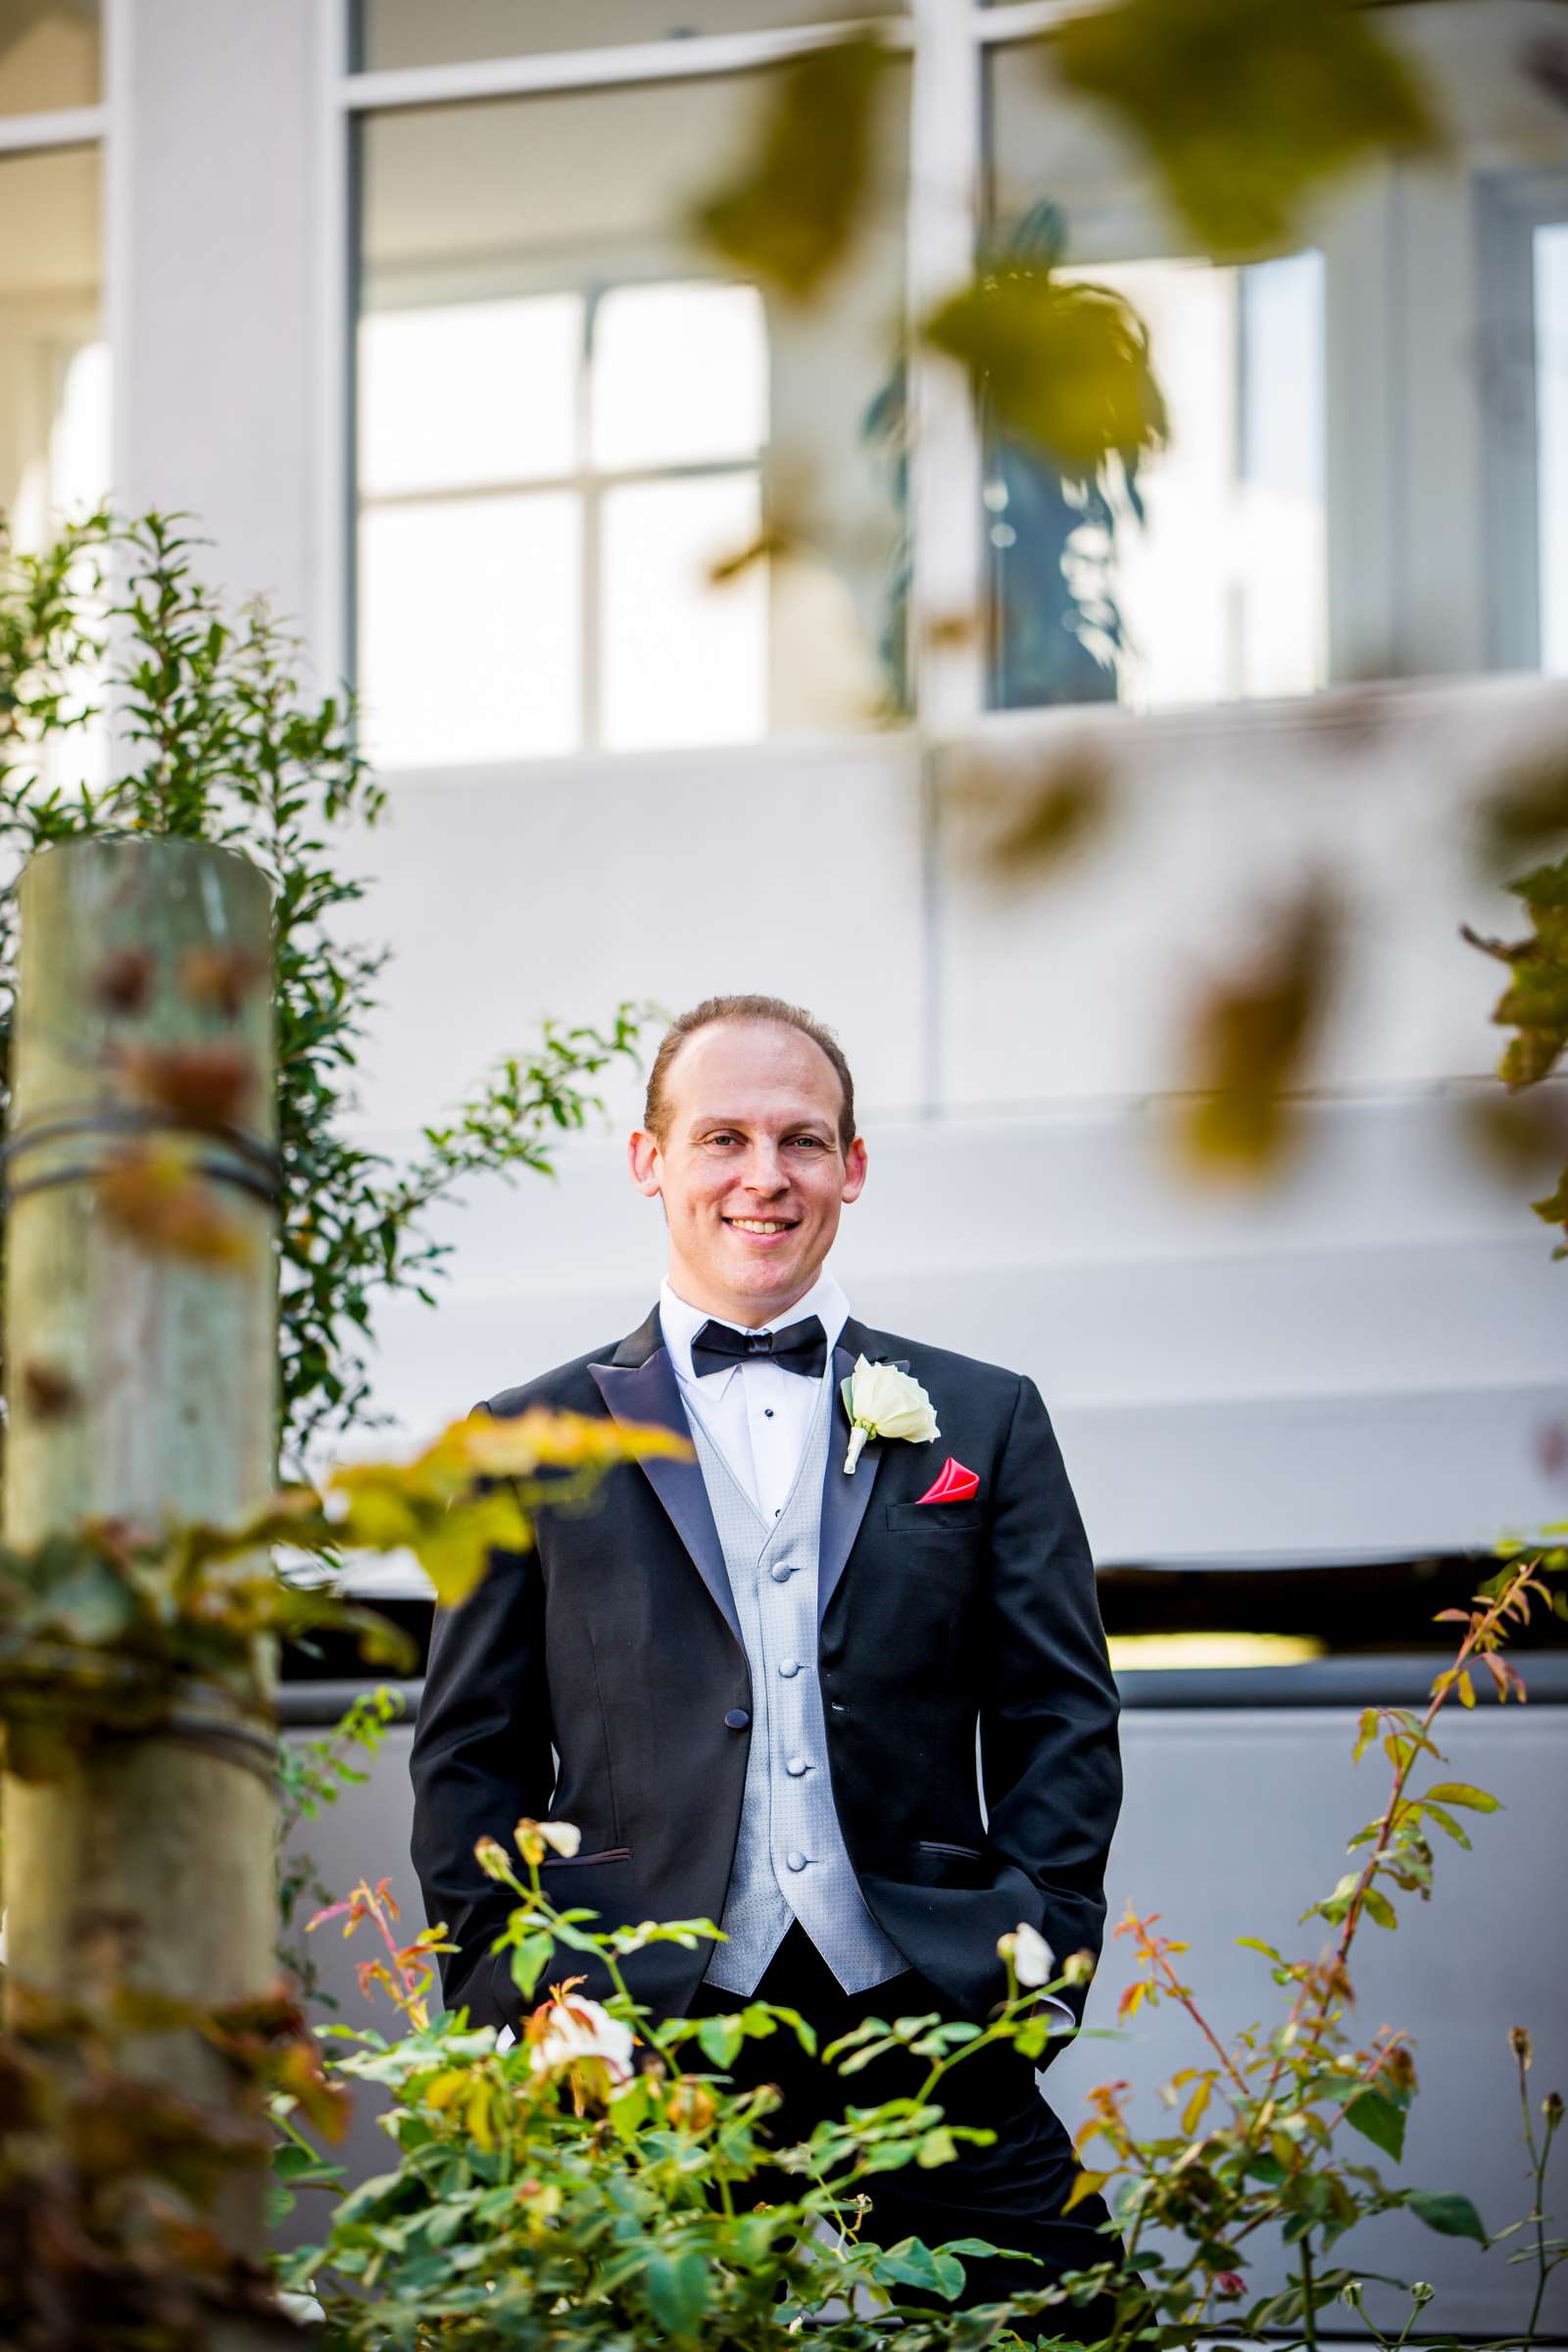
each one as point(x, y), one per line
point(681, 1322)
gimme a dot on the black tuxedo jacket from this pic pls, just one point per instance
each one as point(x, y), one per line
point(615, 1644)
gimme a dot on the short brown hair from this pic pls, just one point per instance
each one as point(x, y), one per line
point(655, 1108)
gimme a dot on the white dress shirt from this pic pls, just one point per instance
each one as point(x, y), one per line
point(755, 1412)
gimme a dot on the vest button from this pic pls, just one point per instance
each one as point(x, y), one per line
point(780, 1570)
point(737, 1720)
point(794, 1859)
point(788, 1667)
point(796, 1764)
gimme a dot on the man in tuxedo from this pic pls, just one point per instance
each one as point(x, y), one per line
point(754, 1679)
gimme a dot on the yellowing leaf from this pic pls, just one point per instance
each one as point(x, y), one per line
point(446, 2086)
point(156, 1195)
point(472, 1490)
point(1065, 366)
point(1461, 1792)
point(1086, 2186)
point(1244, 107)
point(1251, 1038)
point(476, 2115)
point(1194, 2111)
point(792, 211)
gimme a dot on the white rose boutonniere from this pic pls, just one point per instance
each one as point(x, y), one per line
point(882, 1402)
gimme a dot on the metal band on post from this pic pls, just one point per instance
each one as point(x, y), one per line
point(256, 1167)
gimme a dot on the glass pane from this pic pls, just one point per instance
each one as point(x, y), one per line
point(1204, 578)
point(679, 374)
point(481, 225)
point(470, 643)
point(455, 394)
point(411, 32)
point(682, 661)
point(1550, 258)
point(50, 55)
point(54, 368)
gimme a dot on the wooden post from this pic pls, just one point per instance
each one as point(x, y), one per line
point(140, 1378)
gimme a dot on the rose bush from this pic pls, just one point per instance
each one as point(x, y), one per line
point(593, 2184)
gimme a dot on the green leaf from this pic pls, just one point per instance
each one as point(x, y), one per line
point(720, 2039)
point(678, 2290)
point(1065, 366)
point(1449, 2215)
point(912, 2263)
point(1245, 106)
point(1379, 1908)
point(937, 2147)
point(1445, 1821)
point(529, 1958)
point(1379, 2120)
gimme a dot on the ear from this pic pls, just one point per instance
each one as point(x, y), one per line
point(645, 1160)
point(854, 1170)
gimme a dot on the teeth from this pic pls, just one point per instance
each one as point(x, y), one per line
point(756, 1225)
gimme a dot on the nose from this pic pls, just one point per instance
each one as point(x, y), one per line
point(765, 1173)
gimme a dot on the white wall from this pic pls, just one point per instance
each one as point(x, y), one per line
point(1361, 1357)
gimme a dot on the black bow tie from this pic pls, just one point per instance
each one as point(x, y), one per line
point(800, 1348)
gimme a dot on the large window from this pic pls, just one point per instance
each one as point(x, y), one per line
point(612, 499)
point(609, 500)
point(53, 365)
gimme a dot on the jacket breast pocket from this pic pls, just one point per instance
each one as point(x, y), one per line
point(935, 1518)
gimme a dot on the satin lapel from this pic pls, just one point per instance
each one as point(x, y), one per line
point(648, 1391)
point(844, 1499)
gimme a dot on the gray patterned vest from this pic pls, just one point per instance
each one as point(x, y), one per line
point(789, 1857)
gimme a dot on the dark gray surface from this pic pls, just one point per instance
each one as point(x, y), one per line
point(1403, 1681)
point(1234, 1819)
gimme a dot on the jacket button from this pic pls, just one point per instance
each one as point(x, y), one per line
point(737, 1720)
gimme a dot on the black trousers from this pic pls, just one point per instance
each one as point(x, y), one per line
point(1010, 2192)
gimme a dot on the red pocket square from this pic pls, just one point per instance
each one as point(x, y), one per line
point(955, 1483)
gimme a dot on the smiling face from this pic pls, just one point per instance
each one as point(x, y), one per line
point(750, 1170)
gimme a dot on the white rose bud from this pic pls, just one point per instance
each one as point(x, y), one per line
point(562, 1836)
point(1033, 1961)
